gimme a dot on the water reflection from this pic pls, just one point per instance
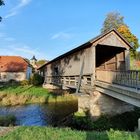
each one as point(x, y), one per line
point(40, 114)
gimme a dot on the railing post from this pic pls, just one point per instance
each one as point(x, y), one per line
point(137, 80)
point(139, 124)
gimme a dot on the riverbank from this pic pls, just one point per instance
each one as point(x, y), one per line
point(49, 133)
point(19, 95)
point(7, 120)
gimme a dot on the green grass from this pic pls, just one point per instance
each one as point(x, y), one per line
point(24, 90)
point(48, 133)
point(16, 94)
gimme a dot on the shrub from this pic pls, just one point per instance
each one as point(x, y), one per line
point(24, 83)
point(12, 82)
point(7, 120)
point(36, 79)
point(125, 121)
point(81, 121)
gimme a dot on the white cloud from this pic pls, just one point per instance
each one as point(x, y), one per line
point(14, 11)
point(23, 50)
point(61, 35)
point(11, 14)
point(9, 39)
point(4, 37)
point(10, 46)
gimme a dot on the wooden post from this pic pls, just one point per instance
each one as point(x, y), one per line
point(139, 124)
point(127, 59)
point(136, 79)
point(93, 77)
point(80, 76)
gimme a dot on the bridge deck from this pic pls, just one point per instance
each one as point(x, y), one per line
point(126, 94)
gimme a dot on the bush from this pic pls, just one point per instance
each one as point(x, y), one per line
point(12, 82)
point(125, 121)
point(24, 83)
point(81, 121)
point(36, 79)
point(7, 120)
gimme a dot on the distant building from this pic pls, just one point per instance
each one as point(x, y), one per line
point(14, 68)
point(33, 62)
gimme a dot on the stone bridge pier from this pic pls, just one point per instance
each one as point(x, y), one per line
point(98, 104)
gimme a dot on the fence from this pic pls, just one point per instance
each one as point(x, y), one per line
point(129, 78)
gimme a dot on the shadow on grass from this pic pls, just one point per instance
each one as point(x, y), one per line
point(97, 136)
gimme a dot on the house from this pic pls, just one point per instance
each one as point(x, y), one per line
point(82, 65)
point(14, 68)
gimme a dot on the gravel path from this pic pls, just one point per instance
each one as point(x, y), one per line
point(5, 130)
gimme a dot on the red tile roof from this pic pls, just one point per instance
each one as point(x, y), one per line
point(12, 64)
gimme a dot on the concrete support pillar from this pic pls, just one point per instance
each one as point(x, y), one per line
point(139, 124)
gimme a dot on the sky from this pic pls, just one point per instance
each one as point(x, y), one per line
point(49, 28)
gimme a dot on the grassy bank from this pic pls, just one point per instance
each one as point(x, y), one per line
point(15, 95)
point(47, 133)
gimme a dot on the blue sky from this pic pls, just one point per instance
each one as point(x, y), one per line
point(48, 28)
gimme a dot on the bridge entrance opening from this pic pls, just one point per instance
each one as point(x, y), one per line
point(110, 57)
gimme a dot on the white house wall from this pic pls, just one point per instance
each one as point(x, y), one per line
point(6, 76)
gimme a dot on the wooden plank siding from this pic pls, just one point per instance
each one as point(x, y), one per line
point(105, 52)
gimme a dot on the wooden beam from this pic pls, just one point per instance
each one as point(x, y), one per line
point(80, 76)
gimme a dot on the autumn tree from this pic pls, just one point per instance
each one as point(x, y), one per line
point(131, 38)
point(116, 21)
point(1, 3)
point(41, 62)
point(113, 20)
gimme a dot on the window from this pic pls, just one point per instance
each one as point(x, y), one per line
point(17, 75)
point(56, 71)
point(4, 76)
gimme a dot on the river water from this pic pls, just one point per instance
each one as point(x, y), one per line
point(40, 114)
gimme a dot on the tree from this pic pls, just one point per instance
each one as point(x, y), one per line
point(41, 62)
point(126, 33)
point(1, 3)
point(113, 20)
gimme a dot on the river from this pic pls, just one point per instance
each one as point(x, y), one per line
point(40, 114)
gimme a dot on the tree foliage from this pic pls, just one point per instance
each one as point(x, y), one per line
point(116, 21)
point(126, 33)
point(41, 62)
point(1, 3)
point(36, 79)
point(112, 20)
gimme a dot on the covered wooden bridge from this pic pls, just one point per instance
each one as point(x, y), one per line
point(100, 64)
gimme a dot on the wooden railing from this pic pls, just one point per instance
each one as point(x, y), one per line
point(129, 78)
point(68, 80)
